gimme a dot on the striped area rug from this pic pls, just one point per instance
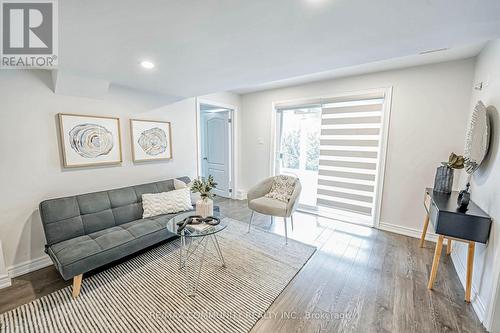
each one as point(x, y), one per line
point(148, 292)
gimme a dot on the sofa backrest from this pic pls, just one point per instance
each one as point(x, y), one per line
point(70, 217)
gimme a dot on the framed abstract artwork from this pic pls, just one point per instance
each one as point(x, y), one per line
point(151, 140)
point(89, 140)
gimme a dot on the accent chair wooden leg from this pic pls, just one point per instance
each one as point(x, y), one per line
point(448, 247)
point(470, 266)
point(435, 262)
point(77, 283)
point(424, 231)
point(291, 219)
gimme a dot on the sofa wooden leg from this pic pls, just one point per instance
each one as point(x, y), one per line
point(77, 283)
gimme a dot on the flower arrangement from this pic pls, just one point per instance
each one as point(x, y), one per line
point(454, 161)
point(443, 182)
point(204, 187)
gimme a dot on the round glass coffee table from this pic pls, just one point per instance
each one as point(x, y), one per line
point(194, 241)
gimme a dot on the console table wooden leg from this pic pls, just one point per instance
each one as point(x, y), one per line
point(448, 247)
point(424, 231)
point(435, 262)
point(470, 266)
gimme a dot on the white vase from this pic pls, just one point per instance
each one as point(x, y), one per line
point(205, 207)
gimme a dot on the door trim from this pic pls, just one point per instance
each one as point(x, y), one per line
point(233, 114)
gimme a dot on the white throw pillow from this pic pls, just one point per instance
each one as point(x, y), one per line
point(179, 184)
point(282, 188)
point(169, 202)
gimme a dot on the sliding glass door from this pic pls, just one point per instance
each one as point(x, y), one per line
point(298, 149)
point(333, 146)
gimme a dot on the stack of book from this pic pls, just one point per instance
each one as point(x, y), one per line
point(202, 227)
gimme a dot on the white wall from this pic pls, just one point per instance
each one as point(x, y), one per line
point(225, 98)
point(486, 193)
point(430, 106)
point(4, 277)
point(30, 165)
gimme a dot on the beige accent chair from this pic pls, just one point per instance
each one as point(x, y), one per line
point(258, 202)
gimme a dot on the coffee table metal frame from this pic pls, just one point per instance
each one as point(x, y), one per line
point(192, 243)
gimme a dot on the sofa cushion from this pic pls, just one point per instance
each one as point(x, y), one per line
point(98, 221)
point(74, 249)
point(111, 237)
point(83, 254)
point(59, 209)
point(122, 197)
point(93, 202)
point(141, 227)
point(162, 220)
point(58, 231)
point(127, 213)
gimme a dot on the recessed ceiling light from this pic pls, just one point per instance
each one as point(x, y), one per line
point(147, 64)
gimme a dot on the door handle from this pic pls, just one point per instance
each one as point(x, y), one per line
point(205, 158)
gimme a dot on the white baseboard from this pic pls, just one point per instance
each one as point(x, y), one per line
point(5, 281)
point(241, 195)
point(411, 232)
point(476, 301)
point(29, 266)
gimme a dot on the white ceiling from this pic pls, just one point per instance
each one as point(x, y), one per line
point(455, 53)
point(206, 46)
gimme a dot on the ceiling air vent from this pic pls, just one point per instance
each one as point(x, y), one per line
point(435, 50)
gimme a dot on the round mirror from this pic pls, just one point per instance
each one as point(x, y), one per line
point(477, 138)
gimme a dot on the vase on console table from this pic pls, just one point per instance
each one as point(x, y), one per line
point(205, 207)
point(443, 182)
point(444, 179)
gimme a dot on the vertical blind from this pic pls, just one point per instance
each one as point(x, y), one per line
point(349, 150)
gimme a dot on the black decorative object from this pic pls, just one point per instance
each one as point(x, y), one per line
point(197, 219)
point(463, 199)
point(194, 219)
point(212, 220)
point(444, 179)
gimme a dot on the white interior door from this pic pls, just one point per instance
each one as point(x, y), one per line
point(215, 146)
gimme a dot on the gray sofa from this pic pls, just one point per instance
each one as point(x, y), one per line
point(87, 231)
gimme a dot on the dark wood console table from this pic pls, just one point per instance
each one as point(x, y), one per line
point(470, 227)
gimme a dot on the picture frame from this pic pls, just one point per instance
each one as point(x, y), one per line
point(151, 140)
point(88, 140)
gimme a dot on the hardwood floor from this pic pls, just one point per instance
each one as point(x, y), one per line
point(359, 280)
point(362, 280)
